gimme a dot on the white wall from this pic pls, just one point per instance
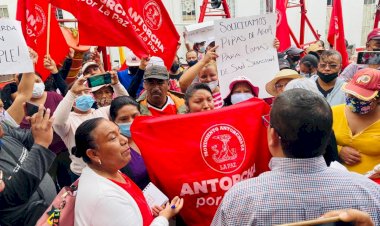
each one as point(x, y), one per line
point(247, 8)
point(353, 19)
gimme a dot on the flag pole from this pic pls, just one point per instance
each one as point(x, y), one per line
point(48, 30)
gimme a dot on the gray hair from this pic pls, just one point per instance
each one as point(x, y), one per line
point(303, 83)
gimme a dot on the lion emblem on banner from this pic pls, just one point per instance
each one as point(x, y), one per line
point(152, 15)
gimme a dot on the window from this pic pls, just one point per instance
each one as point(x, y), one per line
point(368, 19)
point(368, 2)
point(329, 2)
point(59, 14)
point(4, 11)
point(188, 10)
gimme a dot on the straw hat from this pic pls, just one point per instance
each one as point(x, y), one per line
point(285, 73)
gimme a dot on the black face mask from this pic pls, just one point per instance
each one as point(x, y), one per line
point(192, 62)
point(295, 58)
point(375, 49)
point(133, 70)
point(327, 77)
point(174, 67)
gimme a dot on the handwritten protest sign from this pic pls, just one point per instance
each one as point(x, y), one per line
point(200, 32)
point(246, 49)
point(14, 53)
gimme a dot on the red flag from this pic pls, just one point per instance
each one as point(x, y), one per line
point(377, 16)
point(152, 22)
point(33, 15)
point(282, 31)
point(200, 156)
point(336, 32)
point(103, 23)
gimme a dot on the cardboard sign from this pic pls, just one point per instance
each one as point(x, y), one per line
point(200, 32)
point(14, 53)
point(246, 49)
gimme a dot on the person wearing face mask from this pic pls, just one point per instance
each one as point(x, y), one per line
point(66, 121)
point(206, 72)
point(327, 80)
point(175, 74)
point(50, 100)
point(123, 111)
point(373, 44)
point(241, 89)
point(191, 58)
point(357, 123)
point(293, 56)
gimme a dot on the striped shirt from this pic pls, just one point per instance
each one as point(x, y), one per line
point(296, 190)
point(218, 101)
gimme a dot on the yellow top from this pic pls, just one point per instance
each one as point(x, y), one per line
point(367, 142)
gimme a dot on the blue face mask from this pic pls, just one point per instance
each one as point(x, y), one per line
point(125, 128)
point(84, 102)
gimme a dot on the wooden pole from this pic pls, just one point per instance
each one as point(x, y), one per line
point(48, 30)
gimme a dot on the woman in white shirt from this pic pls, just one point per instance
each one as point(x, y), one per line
point(105, 195)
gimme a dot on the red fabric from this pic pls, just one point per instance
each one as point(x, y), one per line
point(139, 198)
point(336, 31)
point(33, 15)
point(377, 16)
point(377, 180)
point(104, 24)
point(185, 154)
point(282, 31)
point(155, 27)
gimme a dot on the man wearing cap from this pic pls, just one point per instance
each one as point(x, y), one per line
point(293, 56)
point(373, 44)
point(327, 80)
point(156, 100)
point(299, 186)
point(357, 123)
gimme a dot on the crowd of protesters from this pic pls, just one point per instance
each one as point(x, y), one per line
point(321, 114)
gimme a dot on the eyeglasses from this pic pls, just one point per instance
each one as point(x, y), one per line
point(280, 86)
point(154, 81)
point(266, 120)
point(332, 66)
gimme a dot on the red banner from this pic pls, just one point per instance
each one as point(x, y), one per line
point(336, 32)
point(104, 23)
point(282, 31)
point(33, 15)
point(200, 156)
point(152, 22)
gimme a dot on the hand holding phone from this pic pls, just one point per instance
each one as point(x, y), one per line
point(98, 80)
point(368, 57)
point(31, 109)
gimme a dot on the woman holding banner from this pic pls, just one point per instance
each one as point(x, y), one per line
point(198, 98)
point(116, 199)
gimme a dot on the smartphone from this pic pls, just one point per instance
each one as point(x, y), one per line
point(98, 80)
point(368, 57)
point(328, 221)
point(31, 109)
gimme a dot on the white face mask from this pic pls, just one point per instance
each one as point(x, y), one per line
point(240, 97)
point(38, 90)
point(212, 85)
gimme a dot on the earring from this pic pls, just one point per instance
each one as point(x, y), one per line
point(100, 162)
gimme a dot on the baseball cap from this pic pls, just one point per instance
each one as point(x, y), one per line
point(293, 50)
point(283, 63)
point(132, 59)
point(255, 89)
point(365, 84)
point(157, 72)
point(374, 34)
point(87, 65)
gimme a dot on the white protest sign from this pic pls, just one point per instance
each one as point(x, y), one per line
point(246, 49)
point(200, 32)
point(14, 53)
